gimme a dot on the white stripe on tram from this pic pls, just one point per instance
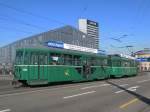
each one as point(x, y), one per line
point(48, 65)
point(73, 66)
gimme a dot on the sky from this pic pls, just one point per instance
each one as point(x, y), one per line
point(116, 18)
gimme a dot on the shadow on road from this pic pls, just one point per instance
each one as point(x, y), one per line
point(140, 97)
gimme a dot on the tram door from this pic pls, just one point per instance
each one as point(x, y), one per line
point(38, 69)
point(86, 68)
point(33, 68)
point(42, 66)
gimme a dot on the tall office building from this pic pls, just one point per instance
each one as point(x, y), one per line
point(91, 28)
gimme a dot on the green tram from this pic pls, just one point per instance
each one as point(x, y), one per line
point(37, 66)
point(121, 66)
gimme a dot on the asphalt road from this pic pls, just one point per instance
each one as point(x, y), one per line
point(113, 95)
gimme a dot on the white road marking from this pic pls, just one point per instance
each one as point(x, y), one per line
point(143, 81)
point(123, 85)
point(6, 110)
point(47, 89)
point(34, 91)
point(134, 88)
point(79, 94)
point(94, 86)
point(119, 91)
point(21, 93)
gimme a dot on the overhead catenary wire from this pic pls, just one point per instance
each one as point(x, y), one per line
point(14, 29)
point(137, 16)
point(82, 12)
point(127, 47)
point(4, 18)
point(30, 13)
point(80, 15)
point(115, 48)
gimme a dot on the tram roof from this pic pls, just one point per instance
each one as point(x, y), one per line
point(65, 51)
point(117, 57)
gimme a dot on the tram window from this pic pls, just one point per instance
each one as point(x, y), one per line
point(133, 63)
point(19, 57)
point(93, 62)
point(125, 64)
point(43, 59)
point(26, 58)
point(105, 62)
point(54, 58)
point(76, 60)
point(67, 59)
point(86, 61)
point(34, 59)
point(99, 62)
point(64, 59)
point(116, 63)
point(102, 62)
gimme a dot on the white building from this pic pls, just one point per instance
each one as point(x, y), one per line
point(91, 28)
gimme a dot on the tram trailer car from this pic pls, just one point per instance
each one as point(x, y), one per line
point(121, 66)
point(37, 66)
